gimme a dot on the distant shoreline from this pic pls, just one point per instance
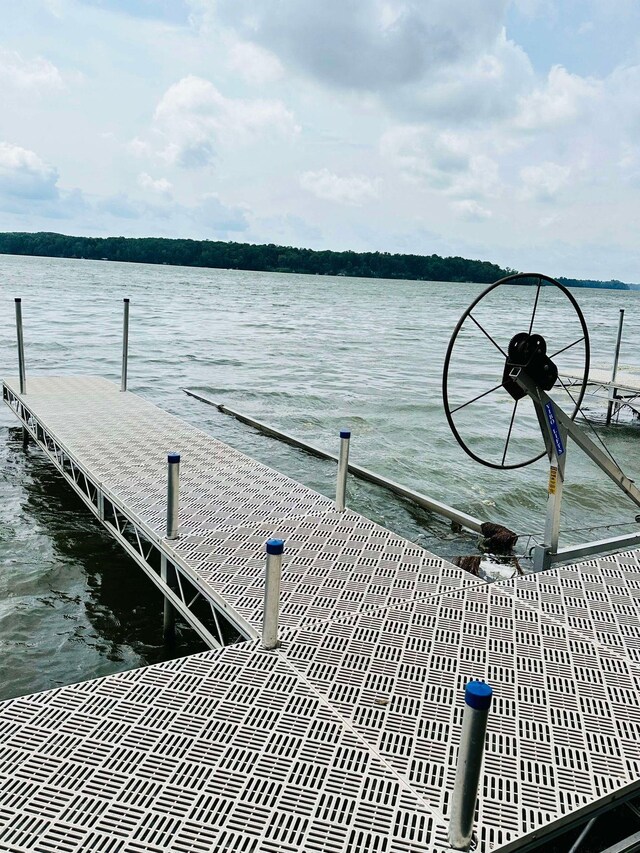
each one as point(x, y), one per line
point(210, 254)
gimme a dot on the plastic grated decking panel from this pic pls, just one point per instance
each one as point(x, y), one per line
point(225, 750)
point(345, 739)
point(230, 505)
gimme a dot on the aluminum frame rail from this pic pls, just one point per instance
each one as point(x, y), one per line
point(556, 428)
point(141, 543)
point(454, 515)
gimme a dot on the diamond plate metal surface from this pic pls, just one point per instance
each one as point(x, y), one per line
point(346, 738)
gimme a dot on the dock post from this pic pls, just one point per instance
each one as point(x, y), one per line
point(612, 389)
point(477, 698)
point(167, 570)
point(125, 345)
point(343, 467)
point(173, 494)
point(168, 575)
point(21, 369)
point(273, 572)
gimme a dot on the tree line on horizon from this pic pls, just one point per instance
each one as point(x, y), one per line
point(266, 258)
point(248, 256)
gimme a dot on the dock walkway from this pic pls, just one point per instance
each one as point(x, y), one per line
point(344, 739)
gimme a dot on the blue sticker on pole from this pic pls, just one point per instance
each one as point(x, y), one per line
point(555, 429)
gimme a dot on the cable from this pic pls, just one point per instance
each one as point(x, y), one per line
point(581, 410)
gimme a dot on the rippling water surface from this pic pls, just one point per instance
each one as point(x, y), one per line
point(307, 354)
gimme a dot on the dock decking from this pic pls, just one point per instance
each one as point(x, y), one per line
point(344, 739)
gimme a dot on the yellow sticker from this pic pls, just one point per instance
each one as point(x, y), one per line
point(553, 479)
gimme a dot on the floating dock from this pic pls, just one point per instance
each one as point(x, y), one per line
point(621, 389)
point(344, 738)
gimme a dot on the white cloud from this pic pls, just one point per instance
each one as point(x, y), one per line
point(159, 185)
point(208, 217)
point(543, 182)
point(195, 118)
point(25, 175)
point(479, 88)
point(562, 99)
point(450, 162)
point(254, 64)
point(349, 189)
point(471, 210)
point(22, 73)
point(366, 44)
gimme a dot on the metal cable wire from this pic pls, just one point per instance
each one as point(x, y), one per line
point(591, 426)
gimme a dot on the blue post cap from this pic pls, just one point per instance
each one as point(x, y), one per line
point(125, 300)
point(477, 694)
point(173, 458)
point(345, 433)
point(275, 546)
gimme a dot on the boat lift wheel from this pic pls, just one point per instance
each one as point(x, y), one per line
point(527, 343)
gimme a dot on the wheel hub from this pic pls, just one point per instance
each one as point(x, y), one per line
point(529, 353)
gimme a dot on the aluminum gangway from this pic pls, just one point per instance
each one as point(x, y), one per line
point(344, 738)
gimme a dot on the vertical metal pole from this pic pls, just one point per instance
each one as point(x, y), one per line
point(125, 345)
point(275, 548)
point(167, 571)
point(168, 575)
point(477, 698)
point(555, 438)
point(554, 499)
point(612, 389)
point(173, 494)
point(21, 369)
point(343, 468)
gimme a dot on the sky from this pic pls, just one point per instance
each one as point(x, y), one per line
point(504, 130)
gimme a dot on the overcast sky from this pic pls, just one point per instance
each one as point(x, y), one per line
point(507, 130)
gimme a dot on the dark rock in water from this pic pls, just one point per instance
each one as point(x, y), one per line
point(497, 539)
point(470, 563)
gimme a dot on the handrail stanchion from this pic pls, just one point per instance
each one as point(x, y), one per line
point(167, 569)
point(273, 572)
point(614, 372)
point(173, 494)
point(477, 697)
point(125, 345)
point(343, 468)
point(21, 367)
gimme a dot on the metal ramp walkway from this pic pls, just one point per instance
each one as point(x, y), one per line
point(344, 739)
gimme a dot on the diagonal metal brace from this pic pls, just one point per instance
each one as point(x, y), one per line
point(542, 401)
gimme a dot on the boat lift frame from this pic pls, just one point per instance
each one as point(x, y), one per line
point(556, 427)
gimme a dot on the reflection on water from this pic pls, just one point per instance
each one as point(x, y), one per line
point(309, 355)
point(73, 604)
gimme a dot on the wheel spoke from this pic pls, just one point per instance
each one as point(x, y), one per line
point(484, 332)
point(506, 444)
point(564, 349)
point(535, 306)
point(469, 402)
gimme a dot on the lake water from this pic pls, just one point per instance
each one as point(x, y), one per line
point(309, 355)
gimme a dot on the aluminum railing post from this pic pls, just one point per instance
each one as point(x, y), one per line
point(343, 468)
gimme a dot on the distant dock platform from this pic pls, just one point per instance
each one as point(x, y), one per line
point(343, 739)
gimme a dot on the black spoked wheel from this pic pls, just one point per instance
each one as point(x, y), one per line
point(486, 424)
